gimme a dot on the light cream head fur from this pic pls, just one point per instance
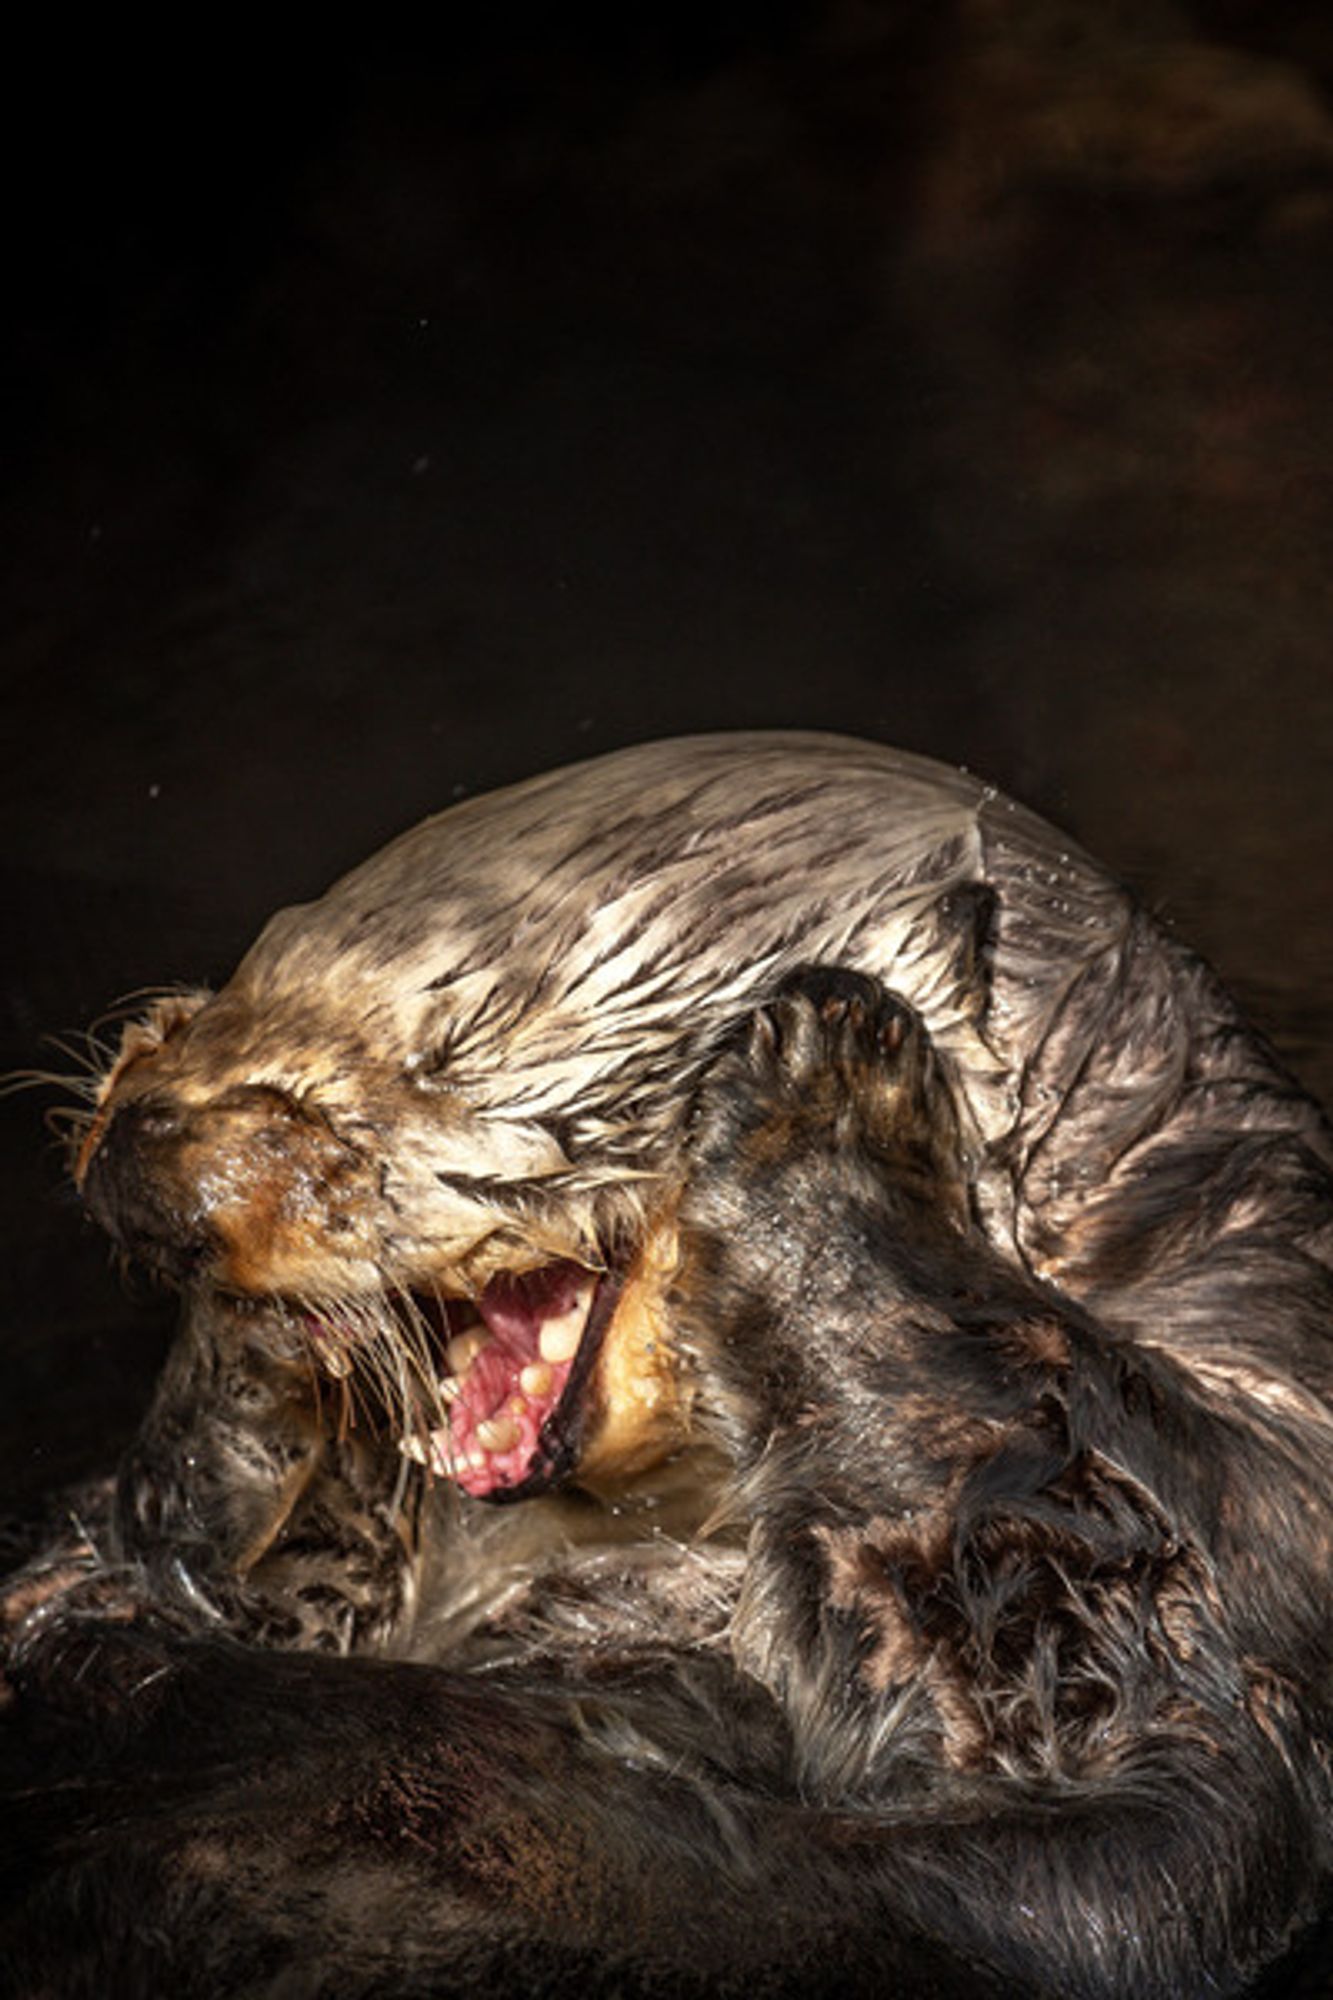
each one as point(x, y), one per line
point(494, 1023)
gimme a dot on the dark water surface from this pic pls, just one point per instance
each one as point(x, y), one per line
point(396, 421)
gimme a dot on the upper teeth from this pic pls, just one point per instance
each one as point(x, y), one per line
point(560, 1337)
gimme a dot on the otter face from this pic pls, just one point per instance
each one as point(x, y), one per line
point(437, 1119)
point(506, 1333)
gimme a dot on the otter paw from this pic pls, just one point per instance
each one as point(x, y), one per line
point(834, 1057)
point(828, 1020)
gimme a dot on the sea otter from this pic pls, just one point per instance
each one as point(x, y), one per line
point(753, 1412)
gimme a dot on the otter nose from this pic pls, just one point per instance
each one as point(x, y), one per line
point(132, 1188)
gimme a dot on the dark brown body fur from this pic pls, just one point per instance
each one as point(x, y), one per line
point(1005, 1672)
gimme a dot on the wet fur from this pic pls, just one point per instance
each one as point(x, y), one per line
point(984, 1621)
point(980, 1646)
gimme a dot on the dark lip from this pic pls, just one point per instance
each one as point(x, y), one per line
point(559, 1442)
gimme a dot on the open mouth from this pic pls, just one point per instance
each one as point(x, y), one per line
point(547, 1375)
point(513, 1367)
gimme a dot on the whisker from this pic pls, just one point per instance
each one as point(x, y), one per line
point(79, 1084)
point(142, 1000)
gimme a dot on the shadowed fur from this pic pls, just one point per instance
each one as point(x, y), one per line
point(972, 1635)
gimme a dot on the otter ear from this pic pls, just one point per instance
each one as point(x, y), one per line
point(966, 917)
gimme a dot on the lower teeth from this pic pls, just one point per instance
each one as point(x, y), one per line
point(498, 1434)
point(463, 1350)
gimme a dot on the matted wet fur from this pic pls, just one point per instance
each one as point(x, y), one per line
point(970, 1637)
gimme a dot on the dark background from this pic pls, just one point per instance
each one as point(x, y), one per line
point(401, 413)
point(395, 415)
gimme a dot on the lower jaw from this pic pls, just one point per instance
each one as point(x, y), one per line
point(618, 1404)
point(627, 1401)
point(548, 1450)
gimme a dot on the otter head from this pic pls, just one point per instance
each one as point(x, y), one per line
point(439, 1118)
